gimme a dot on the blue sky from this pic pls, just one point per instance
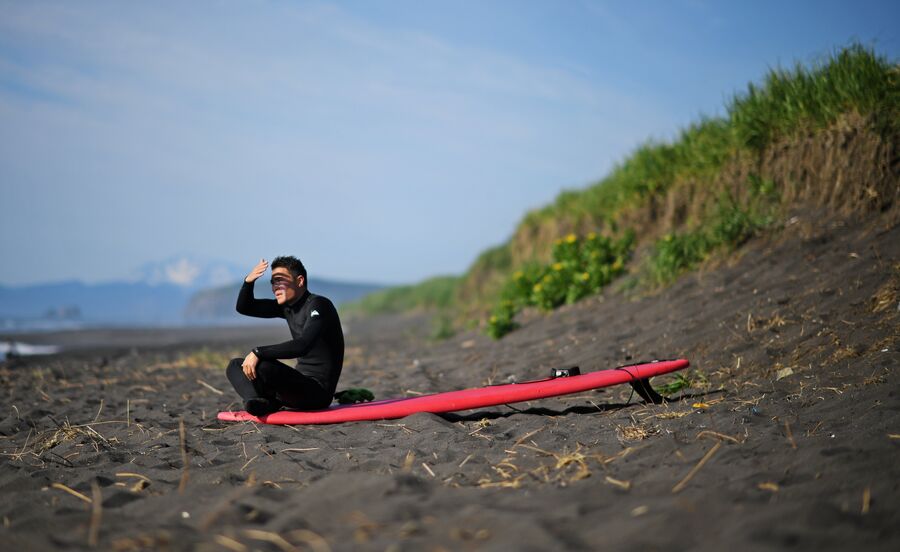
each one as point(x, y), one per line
point(379, 141)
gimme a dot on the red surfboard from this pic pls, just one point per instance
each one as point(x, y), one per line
point(466, 399)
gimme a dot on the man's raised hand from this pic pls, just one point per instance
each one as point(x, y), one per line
point(257, 271)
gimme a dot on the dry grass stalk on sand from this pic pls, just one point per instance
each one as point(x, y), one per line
point(671, 415)
point(96, 514)
point(683, 483)
point(887, 295)
point(159, 540)
point(71, 491)
point(866, 500)
point(528, 435)
point(790, 434)
point(184, 458)
point(569, 466)
point(48, 439)
point(142, 481)
point(229, 543)
point(408, 461)
point(624, 485)
point(635, 432)
point(770, 486)
point(315, 541)
point(719, 436)
point(270, 537)
point(210, 387)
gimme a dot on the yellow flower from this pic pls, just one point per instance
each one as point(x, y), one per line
point(518, 275)
point(537, 288)
point(592, 236)
point(571, 238)
point(585, 276)
point(493, 320)
point(557, 266)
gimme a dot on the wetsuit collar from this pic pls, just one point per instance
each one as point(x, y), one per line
point(300, 300)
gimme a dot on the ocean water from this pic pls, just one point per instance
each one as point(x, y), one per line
point(13, 325)
point(25, 349)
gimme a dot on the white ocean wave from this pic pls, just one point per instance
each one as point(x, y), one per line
point(25, 349)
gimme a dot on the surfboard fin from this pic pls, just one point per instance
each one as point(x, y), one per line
point(645, 391)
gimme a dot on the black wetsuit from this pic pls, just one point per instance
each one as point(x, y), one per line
point(317, 344)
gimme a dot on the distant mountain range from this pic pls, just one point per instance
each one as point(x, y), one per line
point(176, 291)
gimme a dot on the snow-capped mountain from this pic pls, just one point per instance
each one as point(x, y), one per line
point(189, 272)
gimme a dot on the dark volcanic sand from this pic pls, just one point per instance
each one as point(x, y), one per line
point(807, 461)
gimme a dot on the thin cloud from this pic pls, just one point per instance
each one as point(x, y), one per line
point(185, 116)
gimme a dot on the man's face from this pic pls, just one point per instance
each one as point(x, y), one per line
point(285, 287)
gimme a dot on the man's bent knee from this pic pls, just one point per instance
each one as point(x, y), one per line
point(266, 371)
point(236, 365)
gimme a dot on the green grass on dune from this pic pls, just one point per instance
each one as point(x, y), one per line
point(788, 100)
point(436, 293)
point(580, 267)
point(729, 226)
point(786, 103)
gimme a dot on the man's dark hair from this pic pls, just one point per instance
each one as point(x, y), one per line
point(291, 263)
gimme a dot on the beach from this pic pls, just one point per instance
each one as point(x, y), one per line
point(785, 435)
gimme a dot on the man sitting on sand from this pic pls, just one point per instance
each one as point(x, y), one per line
point(318, 344)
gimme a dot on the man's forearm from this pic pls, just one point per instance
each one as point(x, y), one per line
point(249, 305)
point(294, 348)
